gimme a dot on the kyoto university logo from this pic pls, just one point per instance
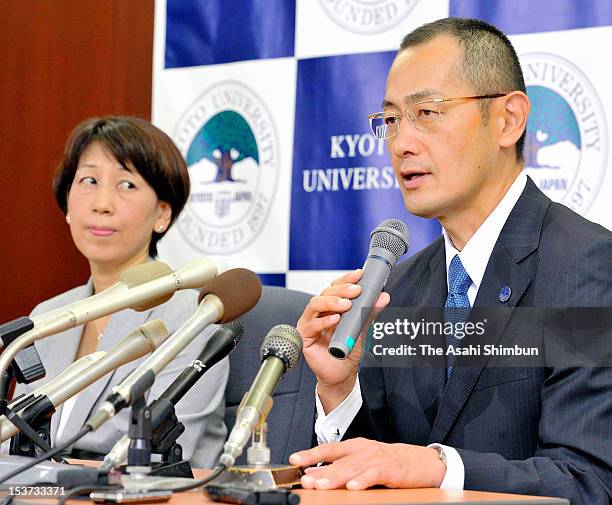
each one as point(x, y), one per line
point(566, 148)
point(367, 16)
point(230, 144)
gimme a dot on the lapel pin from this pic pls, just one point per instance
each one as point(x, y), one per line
point(504, 294)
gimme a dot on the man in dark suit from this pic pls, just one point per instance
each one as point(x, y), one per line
point(455, 113)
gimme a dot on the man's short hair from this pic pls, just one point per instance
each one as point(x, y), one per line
point(487, 59)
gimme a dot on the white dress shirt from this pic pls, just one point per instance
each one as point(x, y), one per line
point(475, 257)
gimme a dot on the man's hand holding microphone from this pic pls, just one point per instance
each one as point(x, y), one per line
point(333, 328)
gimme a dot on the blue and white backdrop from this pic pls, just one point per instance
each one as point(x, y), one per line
point(268, 102)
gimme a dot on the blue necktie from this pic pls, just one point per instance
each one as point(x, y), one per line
point(457, 306)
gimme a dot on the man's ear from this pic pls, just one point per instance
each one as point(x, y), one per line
point(513, 115)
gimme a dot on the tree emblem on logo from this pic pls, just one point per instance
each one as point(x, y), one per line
point(551, 121)
point(225, 140)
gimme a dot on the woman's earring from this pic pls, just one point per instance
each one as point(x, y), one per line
point(160, 229)
point(68, 220)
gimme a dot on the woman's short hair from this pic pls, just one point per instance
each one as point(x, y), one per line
point(131, 141)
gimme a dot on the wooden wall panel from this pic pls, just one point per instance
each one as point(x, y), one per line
point(61, 61)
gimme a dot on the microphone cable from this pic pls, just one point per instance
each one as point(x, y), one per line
point(80, 490)
point(86, 429)
point(218, 470)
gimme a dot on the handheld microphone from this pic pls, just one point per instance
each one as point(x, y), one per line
point(280, 352)
point(222, 341)
point(389, 241)
point(119, 296)
point(224, 298)
point(141, 341)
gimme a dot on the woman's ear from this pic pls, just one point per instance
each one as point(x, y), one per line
point(164, 217)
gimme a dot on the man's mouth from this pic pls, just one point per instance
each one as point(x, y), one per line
point(411, 177)
point(413, 180)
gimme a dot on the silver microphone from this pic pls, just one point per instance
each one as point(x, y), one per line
point(389, 241)
point(69, 374)
point(141, 297)
point(223, 299)
point(134, 276)
point(129, 292)
point(280, 352)
point(141, 341)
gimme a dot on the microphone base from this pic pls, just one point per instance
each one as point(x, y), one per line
point(159, 469)
point(145, 483)
point(260, 476)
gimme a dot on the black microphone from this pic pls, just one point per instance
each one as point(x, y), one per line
point(222, 341)
point(389, 241)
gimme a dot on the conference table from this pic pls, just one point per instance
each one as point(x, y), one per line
point(382, 497)
point(394, 497)
point(368, 497)
point(385, 497)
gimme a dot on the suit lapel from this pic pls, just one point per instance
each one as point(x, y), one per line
point(57, 352)
point(518, 239)
point(119, 325)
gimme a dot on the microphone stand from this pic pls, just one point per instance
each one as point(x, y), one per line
point(140, 474)
point(259, 474)
point(34, 437)
point(168, 429)
point(161, 440)
point(27, 366)
point(140, 431)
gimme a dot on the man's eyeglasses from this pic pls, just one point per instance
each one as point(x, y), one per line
point(425, 116)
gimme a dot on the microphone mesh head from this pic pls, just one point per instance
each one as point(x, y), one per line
point(156, 331)
point(392, 235)
point(239, 290)
point(236, 328)
point(139, 274)
point(284, 342)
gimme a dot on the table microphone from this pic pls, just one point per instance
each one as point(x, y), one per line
point(222, 341)
point(280, 352)
point(141, 297)
point(223, 298)
point(139, 342)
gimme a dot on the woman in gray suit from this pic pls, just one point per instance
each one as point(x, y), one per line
point(121, 184)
